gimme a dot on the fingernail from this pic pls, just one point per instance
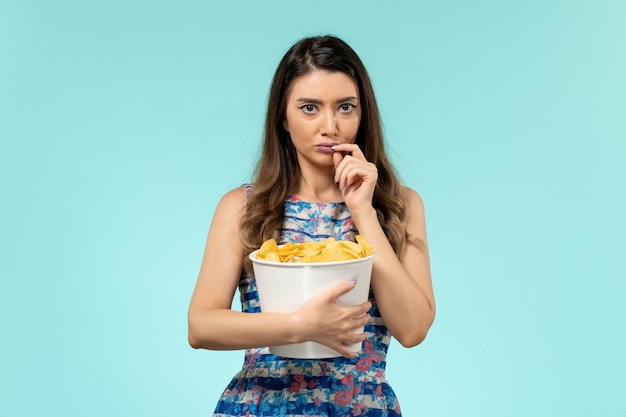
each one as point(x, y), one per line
point(333, 147)
point(352, 281)
point(336, 179)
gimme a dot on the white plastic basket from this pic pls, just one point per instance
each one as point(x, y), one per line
point(284, 287)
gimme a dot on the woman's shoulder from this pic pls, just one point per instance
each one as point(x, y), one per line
point(415, 213)
point(411, 196)
point(235, 199)
point(413, 201)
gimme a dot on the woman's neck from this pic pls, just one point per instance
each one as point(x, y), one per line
point(318, 187)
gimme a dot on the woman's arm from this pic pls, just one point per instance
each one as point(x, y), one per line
point(212, 323)
point(402, 286)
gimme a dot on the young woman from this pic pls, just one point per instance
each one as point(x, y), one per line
point(323, 172)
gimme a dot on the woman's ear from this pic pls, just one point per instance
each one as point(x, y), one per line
point(285, 124)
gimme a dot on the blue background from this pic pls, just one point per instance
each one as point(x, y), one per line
point(123, 123)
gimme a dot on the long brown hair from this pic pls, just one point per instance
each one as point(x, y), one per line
point(278, 172)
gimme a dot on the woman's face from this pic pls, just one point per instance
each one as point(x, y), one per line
point(323, 110)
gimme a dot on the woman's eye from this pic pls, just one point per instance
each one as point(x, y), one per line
point(308, 108)
point(347, 107)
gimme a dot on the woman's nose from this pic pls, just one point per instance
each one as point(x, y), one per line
point(328, 125)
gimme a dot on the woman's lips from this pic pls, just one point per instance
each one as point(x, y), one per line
point(326, 147)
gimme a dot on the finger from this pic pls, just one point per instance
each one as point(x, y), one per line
point(342, 162)
point(350, 147)
point(337, 158)
point(339, 289)
point(346, 346)
point(348, 353)
point(362, 321)
point(347, 171)
point(361, 309)
point(355, 337)
point(351, 170)
point(352, 176)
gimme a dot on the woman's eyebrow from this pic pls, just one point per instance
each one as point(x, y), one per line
point(309, 100)
point(341, 100)
point(318, 101)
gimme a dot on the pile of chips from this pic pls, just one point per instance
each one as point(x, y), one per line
point(329, 250)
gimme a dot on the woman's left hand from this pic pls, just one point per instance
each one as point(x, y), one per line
point(355, 175)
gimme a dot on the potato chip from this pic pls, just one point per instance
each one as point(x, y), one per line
point(269, 251)
point(352, 248)
point(329, 250)
point(366, 248)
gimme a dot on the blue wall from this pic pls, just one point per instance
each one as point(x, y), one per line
point(123, 123)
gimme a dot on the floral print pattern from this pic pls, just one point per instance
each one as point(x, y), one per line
point(270, 385)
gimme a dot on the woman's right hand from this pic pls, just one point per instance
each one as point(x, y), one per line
point(324, 321)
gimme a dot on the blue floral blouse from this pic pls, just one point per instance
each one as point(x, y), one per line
point(270, 385)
